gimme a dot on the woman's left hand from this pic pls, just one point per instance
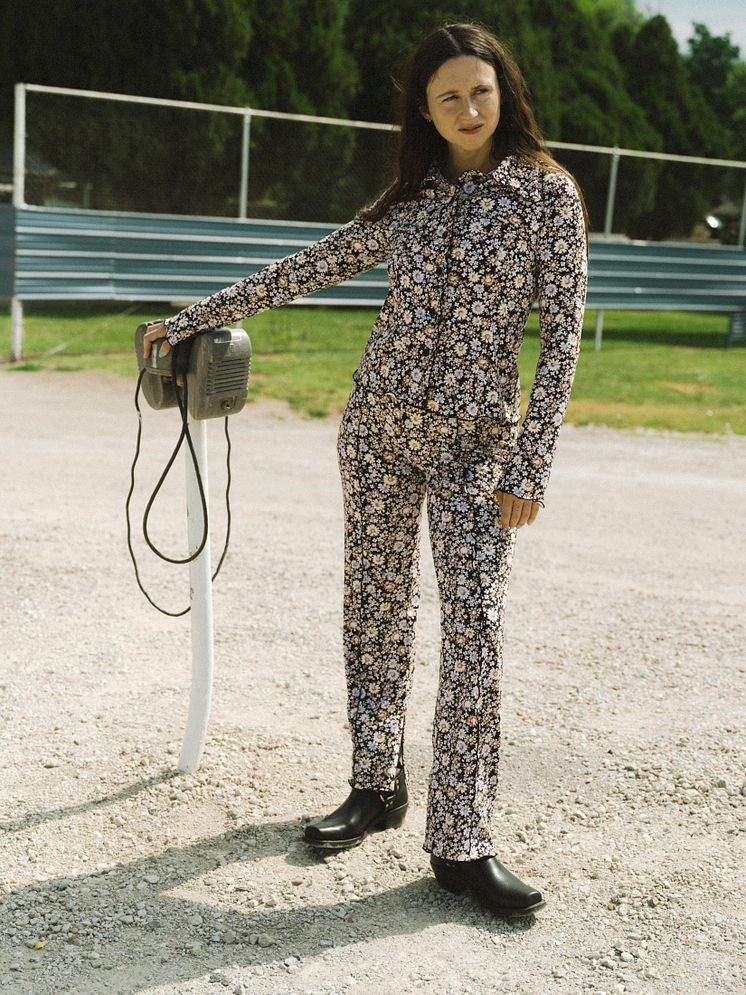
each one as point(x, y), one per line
point(515, 511)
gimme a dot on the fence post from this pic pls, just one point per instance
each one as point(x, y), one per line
point(611, 195)
point(244, 194)
point(16, 329)
point(599, 330)
point(608, 222)
point(742, 222)
point(200, 581)
point(19, 147)
point(19, 200)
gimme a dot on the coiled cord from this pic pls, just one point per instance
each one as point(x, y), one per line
point(184, 434)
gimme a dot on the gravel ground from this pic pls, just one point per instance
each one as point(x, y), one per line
point(623, 776)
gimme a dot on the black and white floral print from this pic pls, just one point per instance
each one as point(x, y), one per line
point(465, 261)
point(391, 456)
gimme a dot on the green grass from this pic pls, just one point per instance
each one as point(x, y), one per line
point(663, 370)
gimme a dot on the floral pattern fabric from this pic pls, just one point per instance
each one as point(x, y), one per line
point(465, 261)
point(391, 456)
point(434, 415)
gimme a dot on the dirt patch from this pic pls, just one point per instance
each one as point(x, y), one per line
point(688, 388)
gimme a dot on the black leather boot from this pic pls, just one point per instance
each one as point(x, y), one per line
point(365, 811)
point(490, 882)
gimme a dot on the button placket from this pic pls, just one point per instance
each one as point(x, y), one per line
point(451, 213)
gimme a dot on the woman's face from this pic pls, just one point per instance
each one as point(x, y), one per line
point(463, 101)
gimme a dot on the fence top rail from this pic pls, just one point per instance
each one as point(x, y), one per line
point(192, 105)
point(693, 160)
point(373, 125)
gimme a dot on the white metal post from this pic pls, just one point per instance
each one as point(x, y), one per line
point(16, 329)
point(200, 578)
point(599, 330)
point(608, 223)
point(19, 200)
point(19, 147)
point(611, 195)
point(244, 194)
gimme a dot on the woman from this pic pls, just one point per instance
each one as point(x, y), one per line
point(479, 222)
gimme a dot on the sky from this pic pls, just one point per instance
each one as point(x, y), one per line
point(720, 16)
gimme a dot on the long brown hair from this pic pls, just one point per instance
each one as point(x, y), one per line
point(419, 143)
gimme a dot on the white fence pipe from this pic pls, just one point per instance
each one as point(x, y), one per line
point(16, 329)
point(243, 198)
point(19, 147)
point(608, 226)
point(375, 125)
point(200, 577)
point(693, 160)
point(599, 330)
point(611, 195)
point(191, 105)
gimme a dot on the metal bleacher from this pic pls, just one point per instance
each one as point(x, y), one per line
point(66, 254)
point(74, 254)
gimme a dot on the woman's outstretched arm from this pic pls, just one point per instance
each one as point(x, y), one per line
point(342, 254)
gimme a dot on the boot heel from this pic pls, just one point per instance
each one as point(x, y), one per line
point(448, 880)
point(390, 820)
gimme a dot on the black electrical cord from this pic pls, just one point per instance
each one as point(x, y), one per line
point(184, 434)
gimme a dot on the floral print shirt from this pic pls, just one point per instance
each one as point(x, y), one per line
point(465, 262)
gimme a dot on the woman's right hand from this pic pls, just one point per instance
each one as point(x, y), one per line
point(515, 512)
point(154, 333)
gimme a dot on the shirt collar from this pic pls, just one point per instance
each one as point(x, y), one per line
point(512, 174)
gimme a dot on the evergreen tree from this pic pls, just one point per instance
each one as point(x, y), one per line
point(735, 95)
point(657, 75)
point(298, 62)
point(123, 156)
point(598, 72)
point(710, 61)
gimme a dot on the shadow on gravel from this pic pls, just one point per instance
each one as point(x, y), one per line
point(165, 947)
point(54, 814)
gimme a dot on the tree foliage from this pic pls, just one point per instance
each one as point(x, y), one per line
point(656, 73)
point(710, 62)
point(598, 71)
point(122, 155)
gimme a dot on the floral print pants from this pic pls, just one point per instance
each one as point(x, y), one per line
point(391, 456)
